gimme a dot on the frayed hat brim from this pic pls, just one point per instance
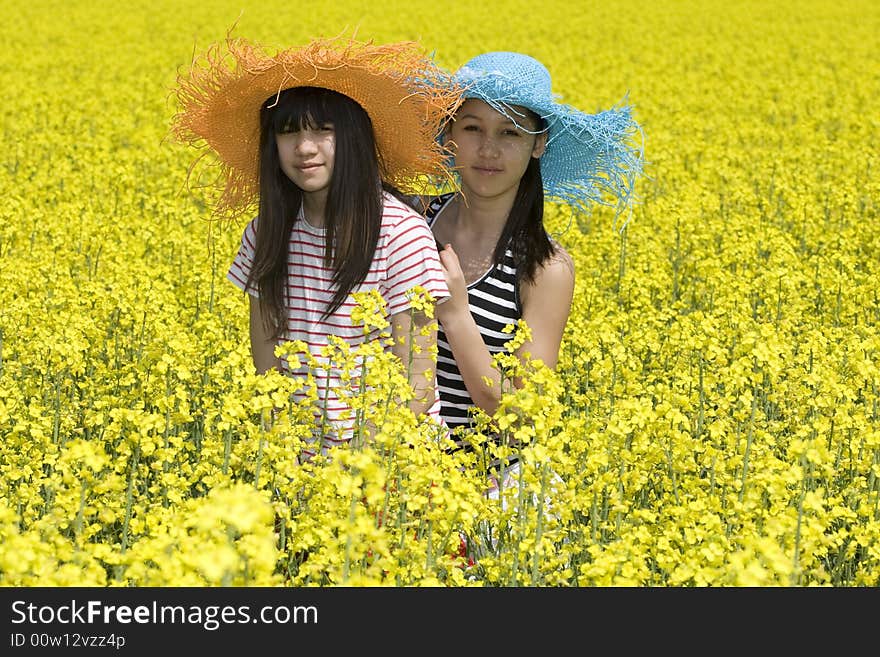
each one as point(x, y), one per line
point(589, 158)
point(406, 96)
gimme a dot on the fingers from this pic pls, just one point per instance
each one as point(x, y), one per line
point(447, 254)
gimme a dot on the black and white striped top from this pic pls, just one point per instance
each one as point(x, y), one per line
point(494, 303)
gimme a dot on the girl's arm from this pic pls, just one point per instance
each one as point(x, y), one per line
point(262, 342)
point(546, 305)
point(415, 339)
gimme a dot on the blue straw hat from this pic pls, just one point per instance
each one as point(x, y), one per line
point(590, 158)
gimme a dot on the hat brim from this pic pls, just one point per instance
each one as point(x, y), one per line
point(406, 97)
point(589, 158)
point(592, 158)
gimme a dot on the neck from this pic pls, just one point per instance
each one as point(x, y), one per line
point(483, 217)
point(314, 204)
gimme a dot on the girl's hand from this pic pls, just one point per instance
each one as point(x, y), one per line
point(457, 304)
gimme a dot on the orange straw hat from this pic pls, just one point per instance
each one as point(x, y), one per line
point(406, 96)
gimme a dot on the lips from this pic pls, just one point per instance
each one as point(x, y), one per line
point(482, 169)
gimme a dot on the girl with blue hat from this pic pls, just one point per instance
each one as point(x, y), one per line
point(514, 147)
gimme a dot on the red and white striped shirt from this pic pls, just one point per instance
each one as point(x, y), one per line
point(406, 256)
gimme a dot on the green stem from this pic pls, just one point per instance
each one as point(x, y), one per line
point(539, 526)
point(742, 489)
point(227, 450)
point(129, 502)
point(795, 575)
point(264, 426)
point(78, 524)
point(346, 565)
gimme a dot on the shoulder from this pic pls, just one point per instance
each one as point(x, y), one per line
point(560, 264)
point(394, 207)
point(249, 232)
point(554, 277)
point(397, 215)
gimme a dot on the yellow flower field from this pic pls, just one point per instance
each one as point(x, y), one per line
point(715, 418)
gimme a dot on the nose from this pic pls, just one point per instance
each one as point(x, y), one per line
point(306, 143)
point(487, 147)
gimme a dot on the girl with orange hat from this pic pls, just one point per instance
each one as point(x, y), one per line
point(316, 141)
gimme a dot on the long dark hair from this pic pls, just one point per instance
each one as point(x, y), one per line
point(524, 229)
point(353, 213)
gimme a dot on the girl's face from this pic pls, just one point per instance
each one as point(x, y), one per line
point(491, 152)
point(307, 155)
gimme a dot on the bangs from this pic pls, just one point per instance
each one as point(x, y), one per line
point(301, 108)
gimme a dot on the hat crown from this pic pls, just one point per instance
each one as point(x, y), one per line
point(508, 77)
